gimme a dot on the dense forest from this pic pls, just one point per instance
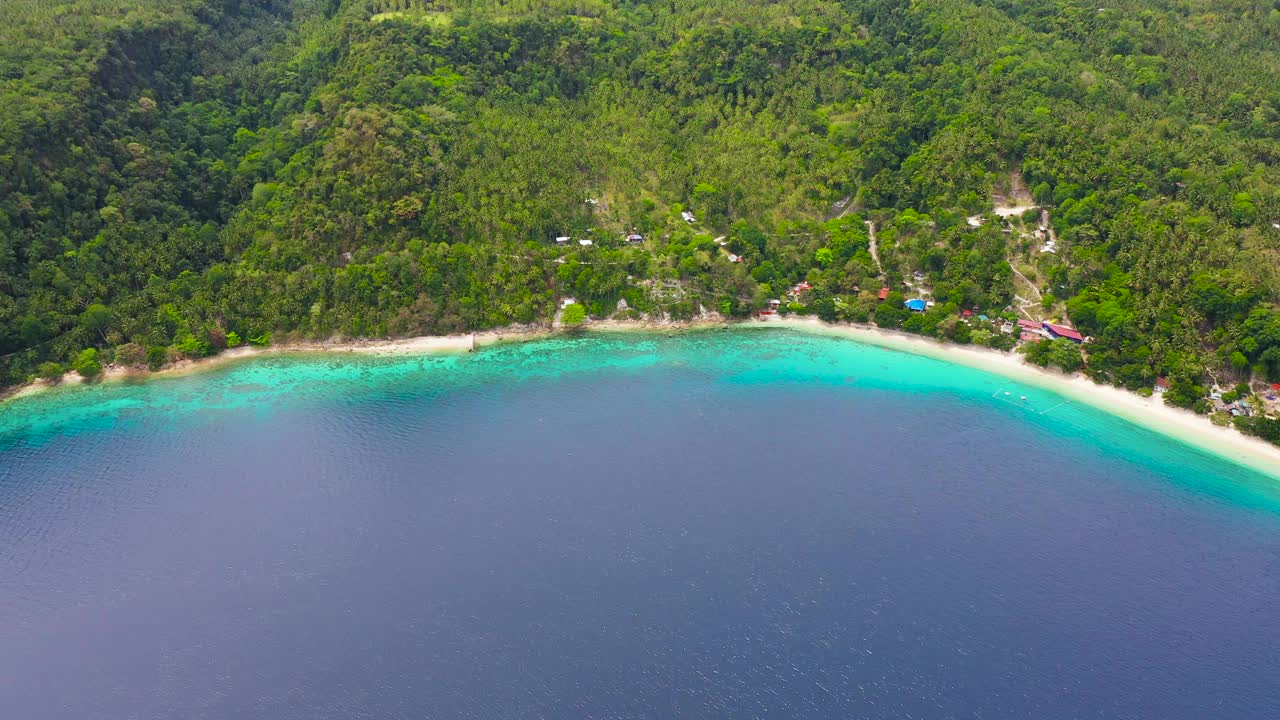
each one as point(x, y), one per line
point(181, 177)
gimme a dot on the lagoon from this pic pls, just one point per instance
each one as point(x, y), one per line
point(728, 523)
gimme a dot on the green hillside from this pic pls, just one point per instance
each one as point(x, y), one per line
point(176, 177)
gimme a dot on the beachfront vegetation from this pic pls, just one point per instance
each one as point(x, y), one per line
point(177, 176)
point(1060, 353)
point(574, 314)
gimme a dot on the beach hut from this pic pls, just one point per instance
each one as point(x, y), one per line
point(915, 305)
point(1162, 385)
point(585, 243)
point(562, 239)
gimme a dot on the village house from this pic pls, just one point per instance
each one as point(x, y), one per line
point(562, 239)
point(1062, 331)
point(585, 243)
point(799, 289)
point(916, 305)
point(884, 294)
point(1162, 385)
point(688, 217)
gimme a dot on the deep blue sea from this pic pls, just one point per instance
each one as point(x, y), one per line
point(720, 524)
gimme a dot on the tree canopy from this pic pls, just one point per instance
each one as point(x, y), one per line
point(176, 177)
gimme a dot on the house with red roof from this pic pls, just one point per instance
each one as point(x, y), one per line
point(884, 294)
point(1062, 331)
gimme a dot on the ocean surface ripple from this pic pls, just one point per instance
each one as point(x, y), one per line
point(722, 524)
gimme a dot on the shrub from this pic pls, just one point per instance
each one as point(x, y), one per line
point(50, 371)
point(189, 346)
point(574, 314)
point(131, 355)
point(86, 363)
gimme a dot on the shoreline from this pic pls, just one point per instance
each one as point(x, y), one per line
point(422, 345)
point(1147, 412)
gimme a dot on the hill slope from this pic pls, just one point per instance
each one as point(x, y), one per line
point(178, 176)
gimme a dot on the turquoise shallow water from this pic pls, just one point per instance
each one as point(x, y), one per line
point(742, 356)
point(727, 523)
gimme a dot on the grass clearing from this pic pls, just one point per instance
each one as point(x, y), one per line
point(431, 18)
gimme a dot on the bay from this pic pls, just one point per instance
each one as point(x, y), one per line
point(737, 523)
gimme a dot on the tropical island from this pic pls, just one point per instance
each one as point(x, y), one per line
point(1094, 184)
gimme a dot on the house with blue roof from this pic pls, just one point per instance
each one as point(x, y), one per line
point(916, 305)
